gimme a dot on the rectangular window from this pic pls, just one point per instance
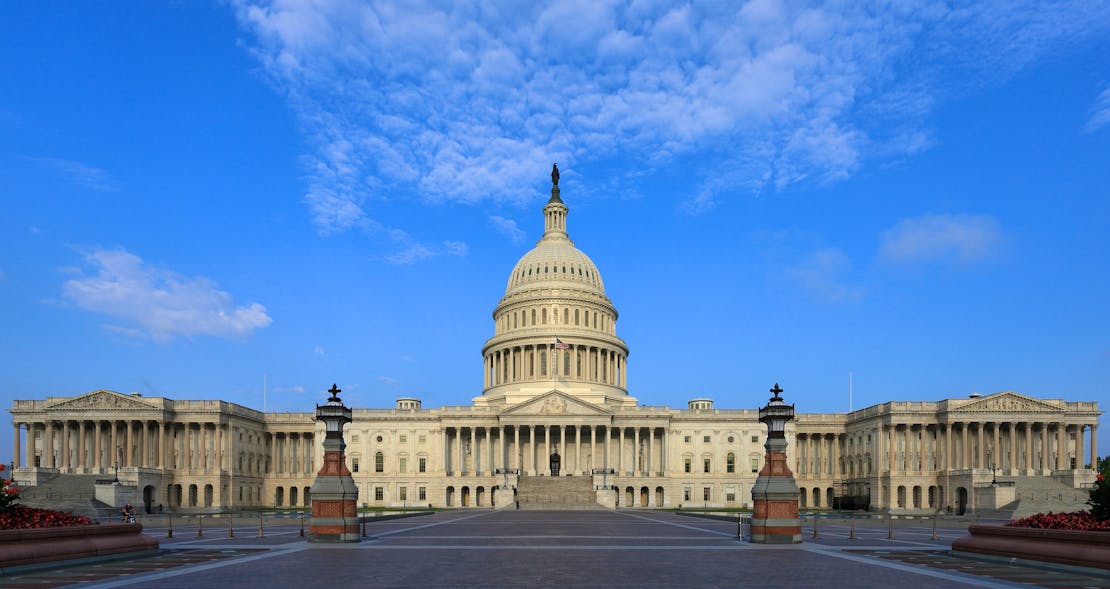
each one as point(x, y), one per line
point(686, 439)
point(705, 439)
point(379, 493)
point(755, 465)
point(403, 465)
point(421, 439)
point(686, 465)
point(354, 465)
point(422, 493)
point(404, 439)
point(705, 465)
point(705, 493)
point(354, 439)
point(730, 494)
point(423, 465)
point(403, 493)
point(755, 439)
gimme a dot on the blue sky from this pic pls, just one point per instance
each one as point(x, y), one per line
point(196, 195)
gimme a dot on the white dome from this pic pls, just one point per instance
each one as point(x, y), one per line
point(555, 263)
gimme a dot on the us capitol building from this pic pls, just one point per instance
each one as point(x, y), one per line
point(554, 377)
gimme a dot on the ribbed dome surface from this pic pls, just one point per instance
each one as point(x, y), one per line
point(555, 263)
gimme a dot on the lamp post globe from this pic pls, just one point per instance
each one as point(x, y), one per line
point(776, 413)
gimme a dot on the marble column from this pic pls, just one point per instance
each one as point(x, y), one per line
point(82, 454)
point(1061, 446)
point(1079, 446)
point(446, 450)
point(15, 446)
point(577, 449)
point(518, 454)
point(1045, 464)
point(459, 451)
point(637, 467)
point(620, 450)
point(1095, 447)
point(1027, 429)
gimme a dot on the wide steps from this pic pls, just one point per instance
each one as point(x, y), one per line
point(556, 493)
point(73, 493)
point(1044, 494)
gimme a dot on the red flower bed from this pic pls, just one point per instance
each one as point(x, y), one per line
point(1078, 520)
point(21, 517)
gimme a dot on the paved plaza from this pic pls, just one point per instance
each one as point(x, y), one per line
point(624, 548)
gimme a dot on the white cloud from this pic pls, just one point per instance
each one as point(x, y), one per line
point(80, 174)
point(472, 101)
point(824, 275)
point(159, 303)
point(319, 351)
point(962, 238)
point(413, 251)
point(296, 389)
point(507, 227)
point(1100, 115)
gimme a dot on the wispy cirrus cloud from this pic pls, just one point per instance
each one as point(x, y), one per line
point(467, 101)
point(507, 227)
point(959, 238)
point(79, 173)
point(158, 303)
point(411, 251)
point(1100, 113)
point(825, 274)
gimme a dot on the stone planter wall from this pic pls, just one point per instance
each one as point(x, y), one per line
point(1089, 549)
point(41, 545)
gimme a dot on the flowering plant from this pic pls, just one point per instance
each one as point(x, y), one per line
point(1100, 498)
point(21, 517)
point(1077, 520)
point(8, 493)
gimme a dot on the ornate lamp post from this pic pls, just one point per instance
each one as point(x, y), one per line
point(334, 494)
point(775, 495)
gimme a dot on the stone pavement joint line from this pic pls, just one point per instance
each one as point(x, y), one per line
point(535, 549)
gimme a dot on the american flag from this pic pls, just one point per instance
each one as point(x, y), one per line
point(559, 345)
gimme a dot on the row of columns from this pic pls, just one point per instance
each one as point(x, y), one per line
point(291, 453)
point(630, 450)
point(98, 445)
point(1007, 446)
point(542, 361)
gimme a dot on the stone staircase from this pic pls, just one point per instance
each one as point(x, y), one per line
point(73, 493)
point(561, 493)
point(1044, 494)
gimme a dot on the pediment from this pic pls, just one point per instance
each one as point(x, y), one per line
point(1008, 402)
point(101, 399)
point(552, 404)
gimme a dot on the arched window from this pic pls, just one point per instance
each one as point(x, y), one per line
point(576, 316)
point(595, 319)
point(543, 314)
point(566, 316)
point(543, 364)
point(533, 316)
point(566, 362)
point(514, 319)
point(379, 462)
point(730, 462)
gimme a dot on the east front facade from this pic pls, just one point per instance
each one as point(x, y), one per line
point(555, 404)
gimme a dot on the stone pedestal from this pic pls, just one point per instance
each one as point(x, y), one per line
point(334, 499)
point(775, 499)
